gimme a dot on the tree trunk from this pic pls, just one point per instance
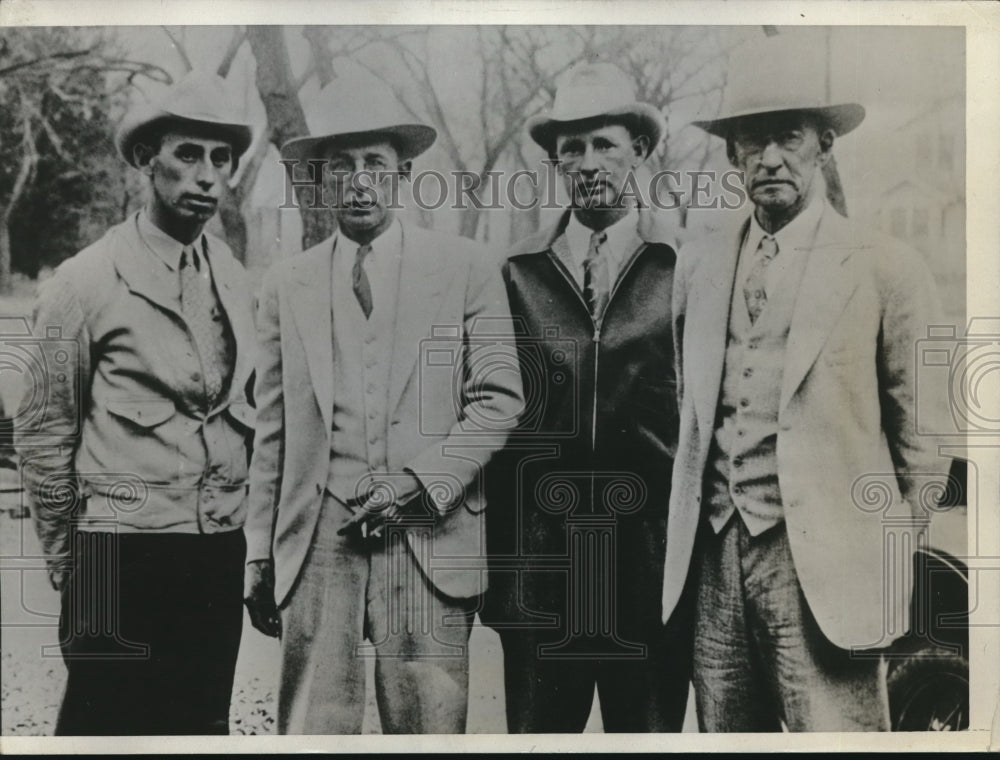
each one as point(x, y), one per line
point(285, 118)
point(23, 176)
point(234, 225)
point(470, 222)
point(4, 255)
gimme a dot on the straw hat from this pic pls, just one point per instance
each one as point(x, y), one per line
point(591, 91)
point(349, 108)
point(780, 74)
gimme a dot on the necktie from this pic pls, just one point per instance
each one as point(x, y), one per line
point(197, 302)
point(362, 288)
point(754, 289)
point(596, 285)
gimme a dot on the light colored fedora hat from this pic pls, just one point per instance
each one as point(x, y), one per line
point(779, 74)
point(200, 98)
point(590, 91)
point(352, 107)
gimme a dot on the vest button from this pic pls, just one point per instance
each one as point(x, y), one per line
point(744, 402)
point(747, 372)
point(738, 462)
point(738, 489)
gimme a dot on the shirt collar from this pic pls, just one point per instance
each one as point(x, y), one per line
point(797, 235)
point(385, 246)
point(619, 235)
point(166, 248)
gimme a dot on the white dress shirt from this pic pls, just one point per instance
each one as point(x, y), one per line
point(620, 236)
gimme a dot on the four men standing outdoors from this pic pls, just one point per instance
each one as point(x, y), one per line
point(666, 460)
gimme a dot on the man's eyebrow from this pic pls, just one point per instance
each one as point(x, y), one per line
point(572, 142)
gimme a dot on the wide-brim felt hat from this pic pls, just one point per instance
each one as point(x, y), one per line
point(354, 109)
point(592, 91)
point(200, 100)
point(778, 75)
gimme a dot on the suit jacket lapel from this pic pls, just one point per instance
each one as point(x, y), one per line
point(422, 279)
point(706, 326)
point(827, 285)
point(311, 307)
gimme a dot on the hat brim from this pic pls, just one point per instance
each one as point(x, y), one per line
point(544, 129)
point(842, 118)
point(409, 140)
point(141, 122)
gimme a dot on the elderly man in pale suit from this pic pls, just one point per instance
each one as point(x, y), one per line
point(366, 496)
point(796, 339)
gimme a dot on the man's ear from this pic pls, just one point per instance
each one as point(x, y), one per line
point(826, 138)
point(143, 156)
point(641, 147)
point(405, 169)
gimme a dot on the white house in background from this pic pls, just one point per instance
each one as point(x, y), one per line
point(927, 207)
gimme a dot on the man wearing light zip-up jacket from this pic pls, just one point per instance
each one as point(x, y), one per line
point(578, 505)
point(134, 441)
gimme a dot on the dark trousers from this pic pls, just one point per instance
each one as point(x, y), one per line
point(547, 695)
point(150, 629)
point(641, 668)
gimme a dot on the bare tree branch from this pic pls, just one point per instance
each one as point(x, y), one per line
point(36, 61)
point(181, 52)
point(235, 43)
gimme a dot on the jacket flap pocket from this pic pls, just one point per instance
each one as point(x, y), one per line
point(242, 413)
point(147, 414)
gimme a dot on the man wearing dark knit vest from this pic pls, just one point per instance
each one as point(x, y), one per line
point(577, 523)
point(796, 339)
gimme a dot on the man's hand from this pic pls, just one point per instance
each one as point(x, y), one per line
point(58, 576)
point(385, 503)
point(259, 597)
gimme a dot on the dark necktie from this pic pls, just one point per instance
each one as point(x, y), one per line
point(754, 289)
point(362, 288)
point(596, 285)
point(197, 302)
